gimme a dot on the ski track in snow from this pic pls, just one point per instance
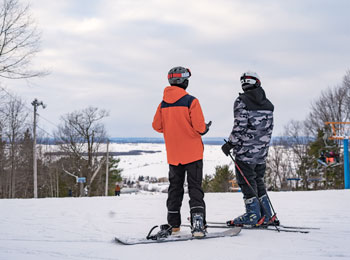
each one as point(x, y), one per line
point(84, 228)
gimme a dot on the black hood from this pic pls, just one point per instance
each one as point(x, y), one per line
point(255, 99)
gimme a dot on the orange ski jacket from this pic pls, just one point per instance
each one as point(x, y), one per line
point(180, 118)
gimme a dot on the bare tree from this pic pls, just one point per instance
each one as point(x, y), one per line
point(16, 117)
point(299, 138)
point(80, 136)
point(279, 165)
point(19, 41)
point(3, 157)
point(2, 148)
point(346, 86)
point(333, 105)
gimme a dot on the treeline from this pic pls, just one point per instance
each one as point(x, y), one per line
point(79, 152)
point(16, 150)
point(295, 160)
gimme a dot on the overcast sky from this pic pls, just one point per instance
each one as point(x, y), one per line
point(115, 55)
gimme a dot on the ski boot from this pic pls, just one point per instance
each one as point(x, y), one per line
point(198, 228)
point(175, 230)
point(170, 229)
point(252, 217)
point(269, 218)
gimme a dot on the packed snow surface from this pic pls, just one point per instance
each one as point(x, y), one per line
point(84, 228)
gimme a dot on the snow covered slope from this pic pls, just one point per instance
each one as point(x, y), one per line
point(84, 228)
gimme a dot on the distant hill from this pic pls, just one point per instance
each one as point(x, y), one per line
point(160, 140)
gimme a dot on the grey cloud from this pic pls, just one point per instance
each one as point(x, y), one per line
point(297, 47)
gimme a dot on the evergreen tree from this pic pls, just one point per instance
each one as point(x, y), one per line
point(206, 183)
point(98, 187)
point(220, 182)
point(25, 167)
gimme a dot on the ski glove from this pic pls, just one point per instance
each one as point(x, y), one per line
point(206, 128)
point(227, 147)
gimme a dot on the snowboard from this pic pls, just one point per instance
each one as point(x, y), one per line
point(176, 238)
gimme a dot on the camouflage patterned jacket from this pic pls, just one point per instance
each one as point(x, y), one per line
point(253, 124)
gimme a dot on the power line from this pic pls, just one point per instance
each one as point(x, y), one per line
point(48, 120)
point(51, 135)
point(30, 110)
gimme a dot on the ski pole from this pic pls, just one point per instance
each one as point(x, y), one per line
point(250, 186)
point(273, 210)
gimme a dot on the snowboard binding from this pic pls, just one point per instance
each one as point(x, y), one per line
point(165, 231)
point(198, 227)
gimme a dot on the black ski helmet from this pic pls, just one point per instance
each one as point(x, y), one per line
point(178, 75)
point(250, 80)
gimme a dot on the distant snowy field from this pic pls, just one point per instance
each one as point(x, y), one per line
point(155, 164)
point(84, 228)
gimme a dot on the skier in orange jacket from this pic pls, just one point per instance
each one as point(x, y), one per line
point(180, 118)
point(117, 190)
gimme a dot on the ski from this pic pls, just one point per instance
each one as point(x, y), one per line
point(279, 226)
point(296, 227)
point(177, 238)
point(268, 228)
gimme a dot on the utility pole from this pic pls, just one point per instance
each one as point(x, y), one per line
point(35, 103)
point(107, 170)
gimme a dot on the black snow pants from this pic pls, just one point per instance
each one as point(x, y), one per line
point(255, 176)
point(176, 190)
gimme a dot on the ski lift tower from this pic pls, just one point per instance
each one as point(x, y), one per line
point(341, 131)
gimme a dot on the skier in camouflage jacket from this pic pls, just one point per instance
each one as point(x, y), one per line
point(249, 140)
